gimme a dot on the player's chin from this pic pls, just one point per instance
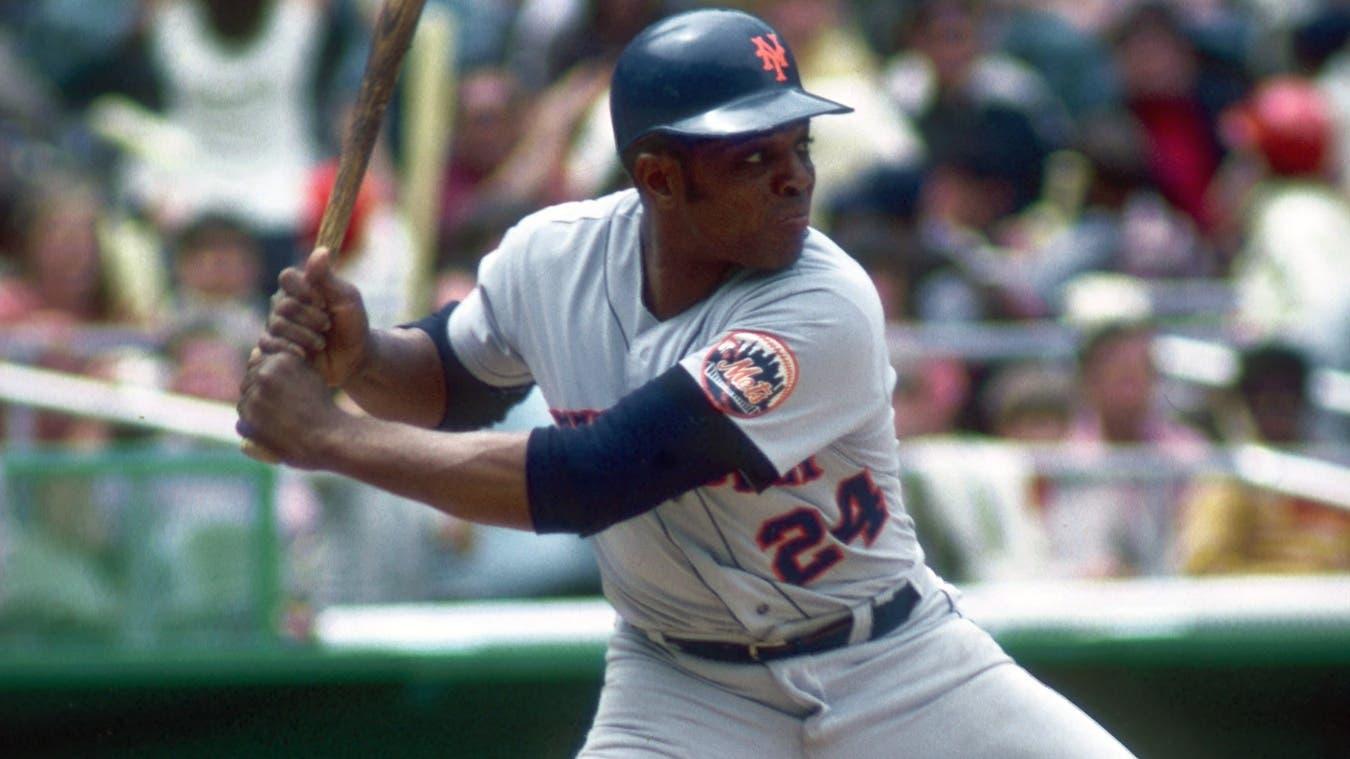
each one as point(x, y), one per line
point(779, 249)
point(791, 249)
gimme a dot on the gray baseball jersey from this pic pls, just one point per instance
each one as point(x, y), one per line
point(795, 357)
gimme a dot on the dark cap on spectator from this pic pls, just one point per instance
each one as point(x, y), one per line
point(888, 190)
point(994, 142)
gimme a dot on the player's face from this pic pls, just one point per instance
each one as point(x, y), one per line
point(748, 201)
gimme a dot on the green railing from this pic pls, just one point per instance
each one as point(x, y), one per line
point(143, 547)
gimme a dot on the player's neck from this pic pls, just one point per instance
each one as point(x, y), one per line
point(671, 283)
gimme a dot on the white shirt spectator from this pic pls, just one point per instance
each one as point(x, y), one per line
point(245, 106)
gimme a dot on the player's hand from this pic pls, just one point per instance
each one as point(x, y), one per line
point(320, 317)
point(286, 409)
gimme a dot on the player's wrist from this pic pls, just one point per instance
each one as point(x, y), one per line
point(362, 361)
point(336, 441)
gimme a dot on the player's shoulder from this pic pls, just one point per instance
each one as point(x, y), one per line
point(581, 215)
point(825, 275)
point(571, 234)
point(825, 262)
point(825, 299)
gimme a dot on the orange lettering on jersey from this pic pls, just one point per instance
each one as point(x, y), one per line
point(803, 473)
point(758, 392)
point(773, 54)
point(807, 471)
point(741, 374)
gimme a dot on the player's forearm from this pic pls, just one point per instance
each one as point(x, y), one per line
point(476, 476)
point(401, 379)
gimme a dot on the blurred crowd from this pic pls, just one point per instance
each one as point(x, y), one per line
point(1011, 164)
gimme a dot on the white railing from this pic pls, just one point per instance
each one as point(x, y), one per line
point(1200, 360)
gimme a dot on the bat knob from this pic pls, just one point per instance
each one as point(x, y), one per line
point(258, 452)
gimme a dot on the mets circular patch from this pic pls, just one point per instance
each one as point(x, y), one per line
point(748, 373)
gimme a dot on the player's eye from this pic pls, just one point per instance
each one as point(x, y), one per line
point(804, 147)
point(755, 157)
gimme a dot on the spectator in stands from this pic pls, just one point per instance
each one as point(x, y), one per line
point(237, 78)
point(1111, 217)
point(931, 392)
point(60, 277)
point(508, 151)
point(557, 41)
point(988, 167)
point(1119, 525)
point(1165, 86)
point(490, 117)
point(1320, 52)
point(217, 265)
point(1273, 404)
point(945, 71)
point(979, 500)
point(205, 362)
point(604, 28)
point(63, 546)
point(1229, 526)
point(1030, 403)
point(204, 521)
point(1120, 400)
point(1293, 272)
point(1060, 40)
point(876, 220)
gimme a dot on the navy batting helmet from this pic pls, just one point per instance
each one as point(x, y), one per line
point(708, 73)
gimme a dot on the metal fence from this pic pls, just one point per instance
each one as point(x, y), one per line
point(137, 549)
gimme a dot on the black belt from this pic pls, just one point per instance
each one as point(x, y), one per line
point(886, 616)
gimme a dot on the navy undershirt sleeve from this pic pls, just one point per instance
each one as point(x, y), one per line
point(658, 442)
point(470, 403)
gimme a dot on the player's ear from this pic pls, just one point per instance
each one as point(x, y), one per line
point(658, 175)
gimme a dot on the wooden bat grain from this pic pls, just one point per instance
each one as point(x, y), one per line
point(389, 43)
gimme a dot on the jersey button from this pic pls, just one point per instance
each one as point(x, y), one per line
point(762, 609)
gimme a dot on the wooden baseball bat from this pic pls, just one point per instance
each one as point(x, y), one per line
point(389, 42)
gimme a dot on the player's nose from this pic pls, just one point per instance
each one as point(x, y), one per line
point(797, 177)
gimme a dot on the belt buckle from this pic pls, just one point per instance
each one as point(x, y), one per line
point(753, 650)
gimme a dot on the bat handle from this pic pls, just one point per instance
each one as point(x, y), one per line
point(392, 35)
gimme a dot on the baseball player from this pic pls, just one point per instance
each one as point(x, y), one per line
point(721, 387)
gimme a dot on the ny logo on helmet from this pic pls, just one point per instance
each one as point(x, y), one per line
point(772, 53)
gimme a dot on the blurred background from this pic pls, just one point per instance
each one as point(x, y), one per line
point(1112, 240)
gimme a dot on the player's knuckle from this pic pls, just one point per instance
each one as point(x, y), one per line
point(268, 372)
